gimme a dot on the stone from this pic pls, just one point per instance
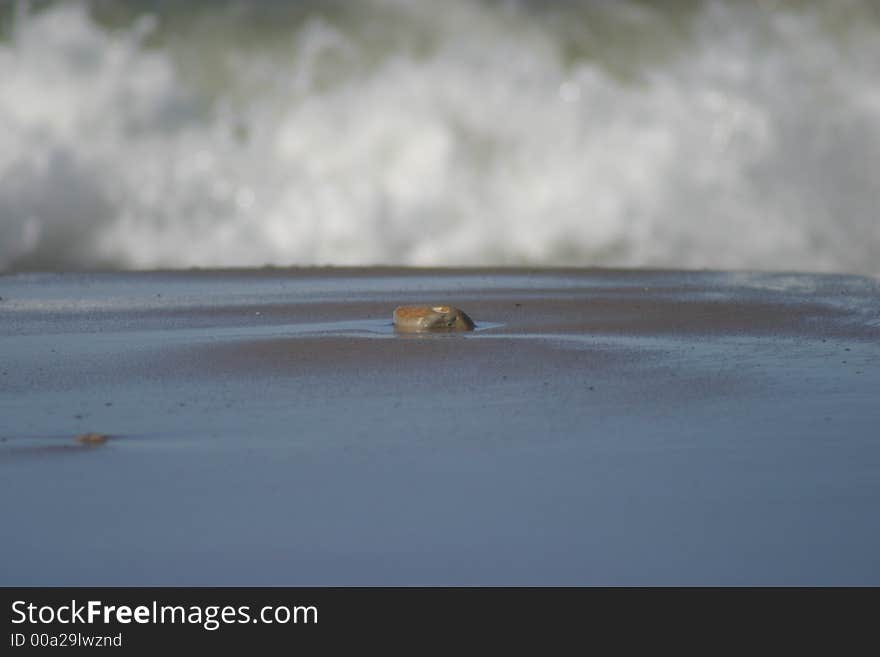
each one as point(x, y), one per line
point(431, 318)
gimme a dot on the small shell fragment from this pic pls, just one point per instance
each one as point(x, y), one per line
point(92, 438)
point(431, 318)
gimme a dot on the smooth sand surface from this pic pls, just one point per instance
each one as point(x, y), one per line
point(268, 427)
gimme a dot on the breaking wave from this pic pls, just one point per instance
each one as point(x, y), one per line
point(718, 134)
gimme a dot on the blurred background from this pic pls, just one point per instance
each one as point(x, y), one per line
point(696, 134)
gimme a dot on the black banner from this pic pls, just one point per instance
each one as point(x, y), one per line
point(247, 618)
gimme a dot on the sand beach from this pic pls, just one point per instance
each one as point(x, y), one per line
point(598, 427)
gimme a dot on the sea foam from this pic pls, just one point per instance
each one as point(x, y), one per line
point(731, 135)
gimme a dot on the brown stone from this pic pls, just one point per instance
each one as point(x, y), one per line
point(431, 318)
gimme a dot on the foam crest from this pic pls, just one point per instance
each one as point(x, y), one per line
point(481, 134)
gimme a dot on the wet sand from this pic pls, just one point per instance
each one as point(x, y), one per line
point(269, 427)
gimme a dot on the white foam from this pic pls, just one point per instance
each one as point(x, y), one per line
point(754, 144)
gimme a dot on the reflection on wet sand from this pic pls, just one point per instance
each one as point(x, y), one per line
point(83, 442)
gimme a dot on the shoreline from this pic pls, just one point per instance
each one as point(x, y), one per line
point(599, 427)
